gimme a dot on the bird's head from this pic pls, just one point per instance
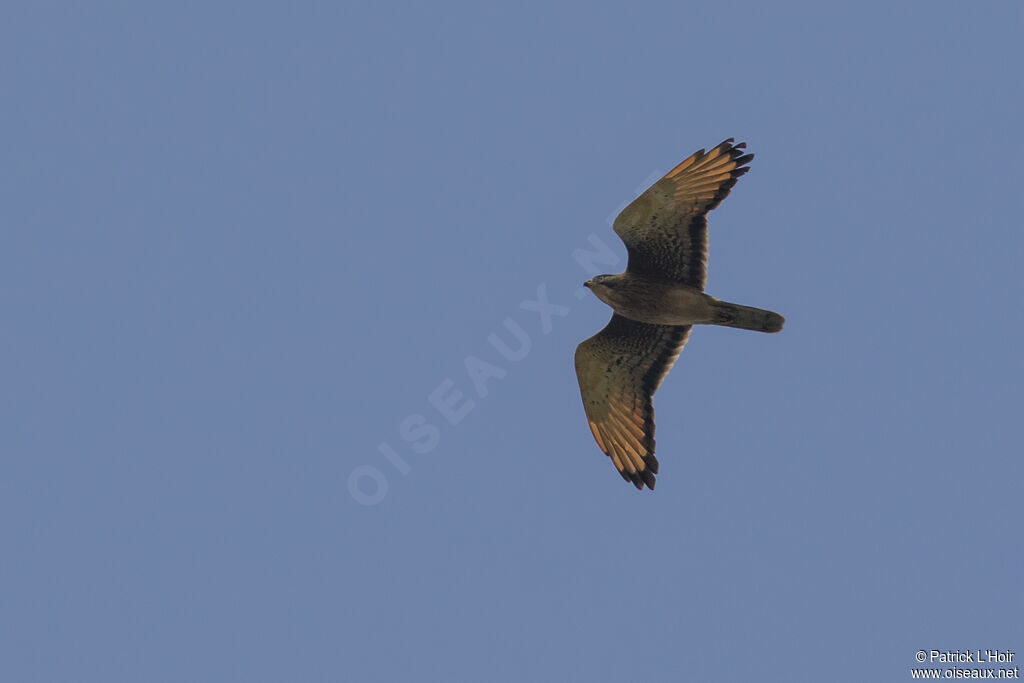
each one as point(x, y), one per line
point(603, 287)
point(600, 281)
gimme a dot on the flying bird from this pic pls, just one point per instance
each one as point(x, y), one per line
point(656, 302)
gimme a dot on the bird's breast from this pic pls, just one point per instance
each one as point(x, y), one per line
point(663, 303)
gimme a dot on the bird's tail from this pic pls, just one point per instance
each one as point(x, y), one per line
point(746, 317)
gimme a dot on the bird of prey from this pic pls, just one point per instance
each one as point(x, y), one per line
point(656, 301)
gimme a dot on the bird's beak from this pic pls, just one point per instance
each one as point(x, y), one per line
point(587, 283)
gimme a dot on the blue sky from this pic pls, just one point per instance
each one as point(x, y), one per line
point(243, 245)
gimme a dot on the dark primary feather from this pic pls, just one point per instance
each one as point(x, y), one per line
point(665, 229)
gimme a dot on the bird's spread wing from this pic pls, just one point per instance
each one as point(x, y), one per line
point(619, 369)
point(665, 229)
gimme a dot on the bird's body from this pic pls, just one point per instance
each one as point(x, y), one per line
point(664, 302)
point(657, 300)
point(649, 300)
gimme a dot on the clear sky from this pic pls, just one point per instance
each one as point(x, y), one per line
point(243, 245)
